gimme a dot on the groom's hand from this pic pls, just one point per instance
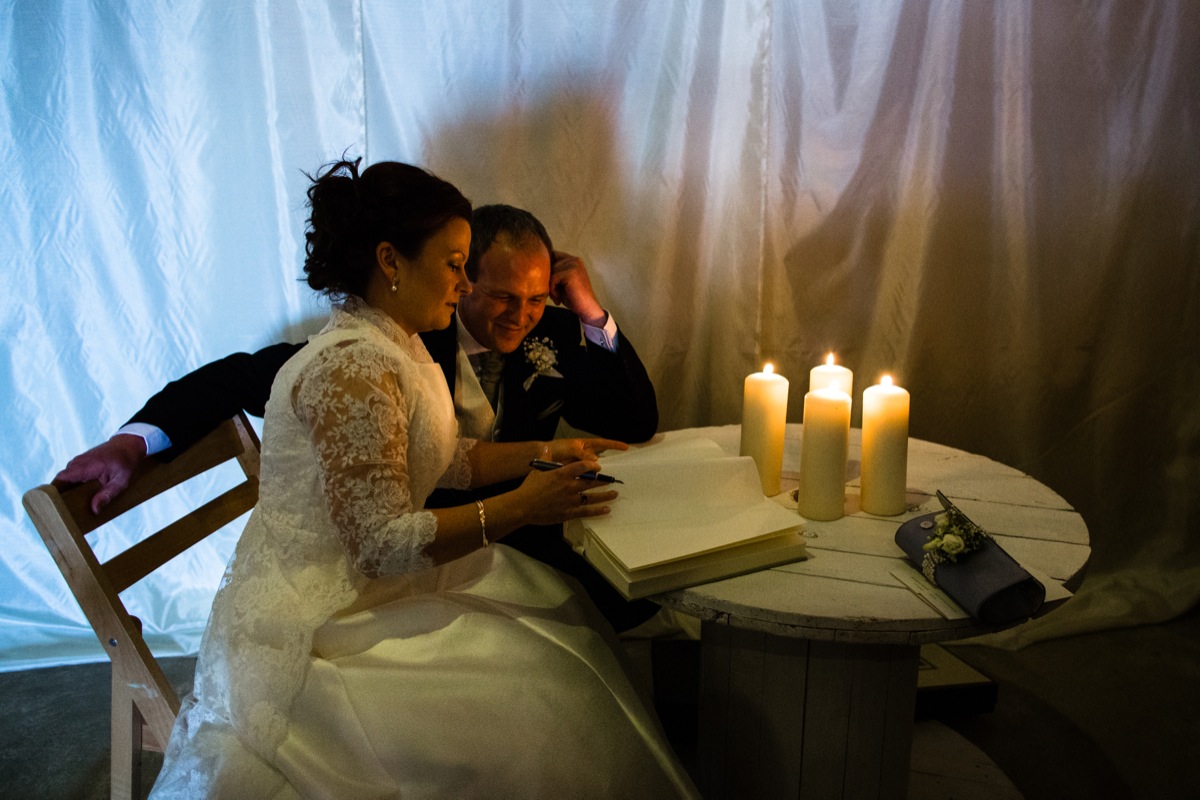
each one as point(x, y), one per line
point(571, 287)
point(112, 463)
point(565, 451)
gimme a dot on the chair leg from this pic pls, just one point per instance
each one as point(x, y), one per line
point(126, 739)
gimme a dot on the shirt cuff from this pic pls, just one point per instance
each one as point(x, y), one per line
point(606, 336)
point(156, 441)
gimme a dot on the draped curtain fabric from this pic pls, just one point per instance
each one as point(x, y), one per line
point(995, 202)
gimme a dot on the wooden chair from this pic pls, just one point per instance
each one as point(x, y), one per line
point(144, 705)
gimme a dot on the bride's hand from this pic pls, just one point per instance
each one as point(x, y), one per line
point(565, 451)
point(557, 495)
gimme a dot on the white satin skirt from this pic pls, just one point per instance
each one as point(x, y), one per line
point(488, 677)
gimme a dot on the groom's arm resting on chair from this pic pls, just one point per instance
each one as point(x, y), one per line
point(178, 416)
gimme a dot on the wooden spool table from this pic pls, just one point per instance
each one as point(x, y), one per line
point(809, 670)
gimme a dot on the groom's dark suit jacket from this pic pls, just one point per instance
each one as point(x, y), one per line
point(604, 393)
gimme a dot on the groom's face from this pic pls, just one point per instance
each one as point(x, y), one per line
point(509, 294)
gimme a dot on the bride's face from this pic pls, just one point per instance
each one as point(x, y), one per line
point(431, 285)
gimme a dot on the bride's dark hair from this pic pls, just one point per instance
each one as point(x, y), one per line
point(351, 214)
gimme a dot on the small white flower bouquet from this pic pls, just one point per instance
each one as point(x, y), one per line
point(540, 353)
point(954, 535)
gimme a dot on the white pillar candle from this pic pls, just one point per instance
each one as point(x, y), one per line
point(764, 419)
point(824, 447)
point(830, 374)
point(884, 448)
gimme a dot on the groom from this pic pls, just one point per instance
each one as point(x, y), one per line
point(514, 366)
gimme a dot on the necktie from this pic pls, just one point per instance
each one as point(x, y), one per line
point(491, 365)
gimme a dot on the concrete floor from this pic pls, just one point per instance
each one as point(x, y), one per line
point(1114, 714)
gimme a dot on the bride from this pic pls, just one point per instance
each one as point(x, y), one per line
point(362, 646)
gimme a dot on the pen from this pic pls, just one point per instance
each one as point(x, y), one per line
point(546, 466)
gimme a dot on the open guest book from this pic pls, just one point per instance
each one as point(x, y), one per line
point(687, 514)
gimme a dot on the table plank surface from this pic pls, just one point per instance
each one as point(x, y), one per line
point(847, 589)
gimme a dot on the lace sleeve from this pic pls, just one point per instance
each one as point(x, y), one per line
point(350, 399)
point(458, 474)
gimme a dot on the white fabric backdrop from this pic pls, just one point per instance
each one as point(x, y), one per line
point(998, 203)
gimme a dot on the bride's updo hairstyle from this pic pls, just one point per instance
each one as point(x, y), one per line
point(351, 214)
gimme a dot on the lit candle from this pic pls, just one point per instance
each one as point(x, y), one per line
point(824, 447)
point(764, 418)
point(884, 448)
point(825, 375)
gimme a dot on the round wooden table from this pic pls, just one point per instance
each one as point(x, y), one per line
point(809, 669)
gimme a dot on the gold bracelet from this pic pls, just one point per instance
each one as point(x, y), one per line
point(483, 523)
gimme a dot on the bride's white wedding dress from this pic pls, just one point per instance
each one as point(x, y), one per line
point(485, 677)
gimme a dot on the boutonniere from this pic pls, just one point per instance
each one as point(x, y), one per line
point(954, 536)
point(542, 357)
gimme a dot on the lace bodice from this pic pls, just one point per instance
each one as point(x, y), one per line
point(382, 430)
point(358, 431)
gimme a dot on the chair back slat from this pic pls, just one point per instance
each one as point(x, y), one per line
point(141, 559)
point(154, 477)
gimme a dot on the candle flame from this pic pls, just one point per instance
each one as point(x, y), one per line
point(886, 380)
point(768, 368)
point(829, 359)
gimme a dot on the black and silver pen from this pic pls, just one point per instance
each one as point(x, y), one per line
point(546, 466)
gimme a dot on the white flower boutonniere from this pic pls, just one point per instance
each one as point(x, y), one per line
point(954, 536)
point(542, 355)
